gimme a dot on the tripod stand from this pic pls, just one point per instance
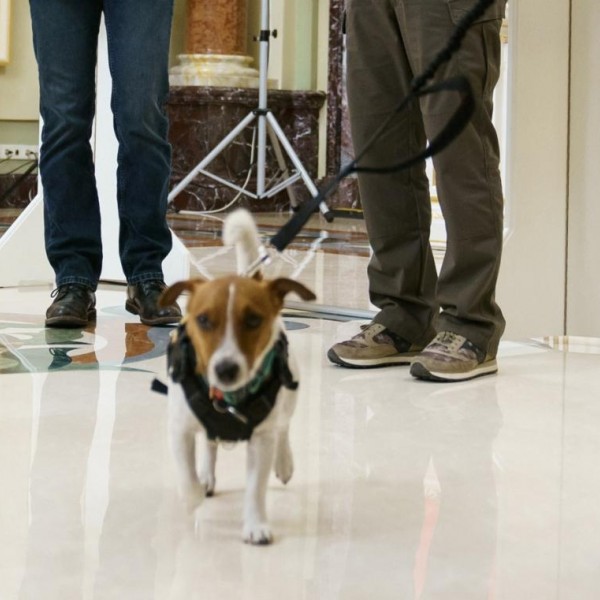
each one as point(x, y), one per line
point(267, 124)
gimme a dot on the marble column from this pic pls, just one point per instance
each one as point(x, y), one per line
point(339, 140)
point(216, 48)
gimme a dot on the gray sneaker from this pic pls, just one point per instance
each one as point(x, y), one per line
point(374, 346)
point(451, 357)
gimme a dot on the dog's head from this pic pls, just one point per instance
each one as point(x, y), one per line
point(232, 323)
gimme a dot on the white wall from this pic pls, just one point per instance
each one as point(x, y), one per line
point(583, 284)
point(531, 289)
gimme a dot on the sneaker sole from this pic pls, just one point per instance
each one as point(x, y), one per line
point(420, 372)
point(133, 309)
point(372, 363)
point(66, 322)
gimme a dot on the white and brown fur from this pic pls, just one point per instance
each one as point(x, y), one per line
point(232, 323)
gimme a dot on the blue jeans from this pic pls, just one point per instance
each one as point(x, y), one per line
point(65, 36)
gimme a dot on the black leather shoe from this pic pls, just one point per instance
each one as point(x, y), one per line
point(74, 306)
point(142, 300)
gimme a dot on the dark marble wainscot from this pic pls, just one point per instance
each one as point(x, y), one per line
point(17, 191)
point(200, 117)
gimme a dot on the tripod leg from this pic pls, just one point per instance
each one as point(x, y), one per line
point(308, 182)
point(211, 155)
point(283, 166)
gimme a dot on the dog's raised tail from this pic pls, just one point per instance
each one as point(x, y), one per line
point(240, 230)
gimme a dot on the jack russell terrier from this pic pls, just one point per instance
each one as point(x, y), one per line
point(233, 378)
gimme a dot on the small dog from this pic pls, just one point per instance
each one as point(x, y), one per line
point(232, 377)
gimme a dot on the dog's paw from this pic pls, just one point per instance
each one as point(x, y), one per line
point(258, 534)
point(192, 496)
point(284, 465)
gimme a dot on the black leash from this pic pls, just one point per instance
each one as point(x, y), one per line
point(452, 129)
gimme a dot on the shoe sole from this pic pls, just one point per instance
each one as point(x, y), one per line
point(66, 322)
point(134, 310)
point(372, 363)
point(420, 372)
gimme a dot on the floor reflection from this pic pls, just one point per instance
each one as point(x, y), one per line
point(26, 346)
point(56, 537)
point(417, 480)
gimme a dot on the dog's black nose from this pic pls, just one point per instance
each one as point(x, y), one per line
point(227, 371)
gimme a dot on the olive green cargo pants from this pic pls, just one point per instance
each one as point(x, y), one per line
point(388, 43)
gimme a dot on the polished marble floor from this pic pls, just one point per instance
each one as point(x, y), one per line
point(486, 490)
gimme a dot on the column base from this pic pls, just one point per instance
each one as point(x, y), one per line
point(219, 70)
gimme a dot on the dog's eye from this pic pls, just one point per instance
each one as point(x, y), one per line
point(204, 323)
point(253, 321)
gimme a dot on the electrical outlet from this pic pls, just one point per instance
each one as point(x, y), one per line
point(18, 152)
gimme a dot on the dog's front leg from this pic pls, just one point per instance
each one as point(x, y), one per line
point(261, 450)
point(183, 446)
point(209, 461)
point(183, 427)
point(284, 460)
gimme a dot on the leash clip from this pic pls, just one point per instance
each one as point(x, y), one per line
point(223, 408)
point(237, 414)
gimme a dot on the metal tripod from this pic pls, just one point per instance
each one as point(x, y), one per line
point(267, 124)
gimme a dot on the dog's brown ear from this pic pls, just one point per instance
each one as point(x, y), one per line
point(282, 286)
point(174, 291)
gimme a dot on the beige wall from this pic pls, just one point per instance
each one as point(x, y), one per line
point(583, 282)
point(299, 24)
point(178, 30)
point(19, 98)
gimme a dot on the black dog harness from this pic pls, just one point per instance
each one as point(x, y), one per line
point(230, 416)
